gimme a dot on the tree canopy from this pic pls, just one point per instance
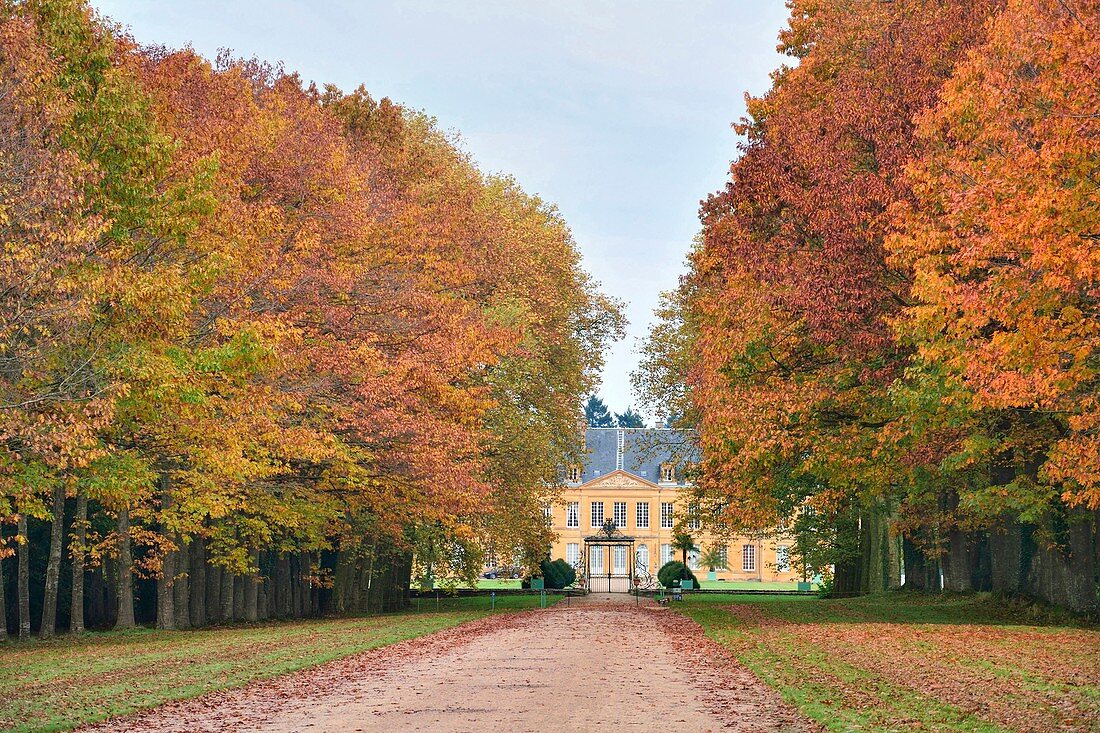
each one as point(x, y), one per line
point(629, 419)
point(889, 324)
point(249, 314)
point(596, 413)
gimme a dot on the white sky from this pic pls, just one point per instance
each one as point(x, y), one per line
point(618, 111)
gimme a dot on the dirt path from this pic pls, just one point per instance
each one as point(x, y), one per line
point(597, 665)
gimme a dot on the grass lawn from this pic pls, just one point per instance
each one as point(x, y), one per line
point(486, 584)
point(495, 584)
point(61, 683)
point(735, 585)
point(906, 662)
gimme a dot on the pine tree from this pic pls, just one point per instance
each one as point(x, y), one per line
point(596, 413)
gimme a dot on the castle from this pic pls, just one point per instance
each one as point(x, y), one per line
point(634, 478)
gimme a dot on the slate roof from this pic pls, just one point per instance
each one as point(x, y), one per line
point(643, 452)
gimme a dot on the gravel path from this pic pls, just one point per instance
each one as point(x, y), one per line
point(600, 664)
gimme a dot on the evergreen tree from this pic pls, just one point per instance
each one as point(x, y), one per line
point(596, 413)
point(629, 419)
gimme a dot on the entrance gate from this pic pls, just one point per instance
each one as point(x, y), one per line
point(609, 561)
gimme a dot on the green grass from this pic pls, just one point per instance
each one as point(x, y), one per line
point(735, 585)
point(495, 584)
point(870, 663)
point(62, 683)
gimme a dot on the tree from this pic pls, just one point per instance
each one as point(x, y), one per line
point(685, 543)
point(596, 413)
point(558, 574)
point(53, 567)
point(673, 573)
point(629, 419)
point(252, 321)
point(667, 356)
point(781, 333)
point(714, 558)
point(1000, 396)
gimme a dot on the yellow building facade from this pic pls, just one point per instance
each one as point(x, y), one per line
point(634, 478)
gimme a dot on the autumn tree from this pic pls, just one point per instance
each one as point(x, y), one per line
point(790, 356)
point(252, 321)
point(1001, 236)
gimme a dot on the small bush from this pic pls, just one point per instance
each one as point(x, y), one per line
point(673, 572)
point(558, 574)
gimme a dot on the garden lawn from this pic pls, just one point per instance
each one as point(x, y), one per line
point(907, 662)
point(736, 585)
point(493, 584)
point(59, 684)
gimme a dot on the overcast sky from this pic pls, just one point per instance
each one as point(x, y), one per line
point(619, 112)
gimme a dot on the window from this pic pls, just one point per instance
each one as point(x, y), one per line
point(666, 515)
point(693, 558)
point(641, 558)
point(668, 473)
point(548, 512)
point(618, 558)
point(666, 554)
point(597, 560)
point(782, 559)
point(573, 553)
point(620, 514)
point(748, 558)
point(573, 515)
point(642, 515)
point(574, 475)
point(693, 517)
point(597, 514)
point(724, 556)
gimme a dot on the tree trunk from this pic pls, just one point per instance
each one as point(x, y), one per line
point(263, 597)
point(305, 601)
point(79, 533)
point(239, 584)
point(847, 578)
point(125, 586)
point(282, 587)
point(252, 590)
point(295, 587)
point(97, 597)
point(355, 578)
point(916, 572)
point(24, 581)
point(198, 582)
point(3, 590)
point(956, 566)
point(166, 600)
point(340, 582)
point(53, 567)
point(315, 591)
point(227, 595)
point(110, 590)
point(213, 594)
point(181, 591)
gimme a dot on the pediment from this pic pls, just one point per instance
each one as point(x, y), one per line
point(619, 479)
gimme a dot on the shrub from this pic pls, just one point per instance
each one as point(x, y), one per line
point(674, 571)
point(558, 574)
